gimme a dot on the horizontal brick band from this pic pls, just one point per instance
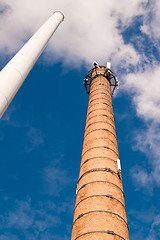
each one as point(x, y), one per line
point(100, 182)
point(103, 115)
point(106, 99)
point(100, 83)
point(102, 93)
point(100, 147)
point(108, 196)
point(93, 158)
point(98, 87)
point(100, 75)
point(109, 105)
point(99, 138)
point(99, 122)
point(102, 79)
point(101, 211)
point(97, 170)
point(97, 90)
point(93, 232)
point(100, 109)
point(104, 129)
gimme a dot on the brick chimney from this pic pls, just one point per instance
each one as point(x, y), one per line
point(100, 207)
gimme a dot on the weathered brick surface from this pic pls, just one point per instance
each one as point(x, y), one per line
point(102, 118)
point(102, 141)
point(100, 205)
point(100, 188)
point(100, 175)
point(98, 163)
point(99, 111)
point(103, 102)
point(99, 236)
point(100, 125)
point(100, 94)
point(100, 151)
point(100, 133)
point(98, 221)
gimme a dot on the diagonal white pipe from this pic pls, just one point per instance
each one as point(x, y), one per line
point(15, 72)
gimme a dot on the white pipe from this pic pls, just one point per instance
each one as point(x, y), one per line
point(14, 73)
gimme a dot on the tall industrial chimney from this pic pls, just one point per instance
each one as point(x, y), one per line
point(15, 72)
point(100, 207)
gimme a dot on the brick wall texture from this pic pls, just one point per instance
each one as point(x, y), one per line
point(100, 208)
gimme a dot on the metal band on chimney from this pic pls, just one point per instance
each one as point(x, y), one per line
point(100, 195)
point(100, 211)
point(93, 158)
point(107, 232)
point(99, 182)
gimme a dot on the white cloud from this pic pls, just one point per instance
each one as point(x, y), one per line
point(22, 217)
point(146, 223)
point(155, 229)
point(48, 236)
point(7, 116)
point(141, 178)
point(36, 137)
point(148, 141)
point(55, 180)
point(91, 30)
point(145, 90)
point(152, 20)
point(31, 222)
point(8, 236)
point(145, 87)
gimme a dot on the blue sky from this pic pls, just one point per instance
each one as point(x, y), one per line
point(41, 133)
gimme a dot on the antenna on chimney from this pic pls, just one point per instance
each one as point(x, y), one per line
point(108, 65)
point(108, 74)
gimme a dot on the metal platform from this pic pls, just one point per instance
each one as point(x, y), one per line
point(108, 74)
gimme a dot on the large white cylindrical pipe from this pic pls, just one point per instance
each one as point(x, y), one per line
point(15, 72)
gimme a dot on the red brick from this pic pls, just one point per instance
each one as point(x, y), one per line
point(100, 206)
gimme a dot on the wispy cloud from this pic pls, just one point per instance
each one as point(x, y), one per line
point(55, 180)
point(145, 223)
point(29, 221)
point(35, 137)
point(147, 141)
point(86, 38)
point(142, 179)
point(43, 219)
point(22, 217)
point(152, 20)
point(144, 88)
point(93, 31)
point(8, 236)
point(7, 116)
point(48, 236)
point(155, 229)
